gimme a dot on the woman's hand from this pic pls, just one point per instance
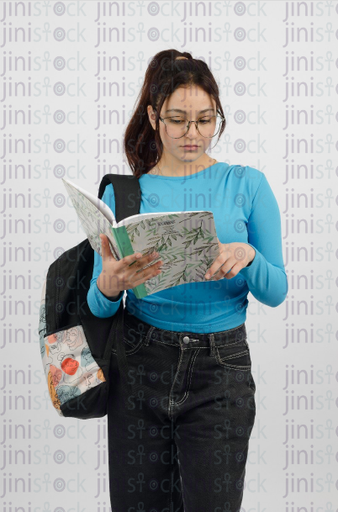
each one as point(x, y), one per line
point(126, 273)
point(232, 259)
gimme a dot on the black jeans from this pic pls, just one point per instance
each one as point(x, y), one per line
point(182, 444)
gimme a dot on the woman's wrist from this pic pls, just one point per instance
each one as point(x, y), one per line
point(113, 299)
point(110, 293)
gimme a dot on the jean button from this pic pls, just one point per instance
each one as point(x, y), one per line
point(186, 339)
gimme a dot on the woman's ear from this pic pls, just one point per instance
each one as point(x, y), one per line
point(151, 116)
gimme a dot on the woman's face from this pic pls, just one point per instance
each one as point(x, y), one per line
point(192, 100)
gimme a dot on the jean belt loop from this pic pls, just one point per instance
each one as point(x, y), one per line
point(212, 345)
point(149, 333)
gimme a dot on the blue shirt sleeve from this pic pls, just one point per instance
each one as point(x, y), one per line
point(99, 304)
point(266, 277)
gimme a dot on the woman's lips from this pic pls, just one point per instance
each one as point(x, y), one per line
point(190, 147)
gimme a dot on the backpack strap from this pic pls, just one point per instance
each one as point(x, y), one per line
point(127, 194)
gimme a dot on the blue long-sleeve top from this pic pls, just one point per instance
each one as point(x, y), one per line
point(245, 210)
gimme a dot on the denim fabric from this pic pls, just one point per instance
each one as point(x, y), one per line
point(182, 444)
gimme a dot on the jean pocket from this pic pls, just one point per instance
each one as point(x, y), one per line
point(235, 356)
point(133, 341)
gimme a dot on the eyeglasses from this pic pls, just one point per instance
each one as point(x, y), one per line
point(208, 126)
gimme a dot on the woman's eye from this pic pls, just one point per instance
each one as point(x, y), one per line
point(184, 121)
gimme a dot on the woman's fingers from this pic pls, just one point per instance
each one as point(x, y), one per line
point(106, 252)
point(141, 262)
point(128, 261)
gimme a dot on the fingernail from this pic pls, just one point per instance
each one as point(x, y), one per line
point(207, 276)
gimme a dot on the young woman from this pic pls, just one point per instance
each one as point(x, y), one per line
point(183, 444)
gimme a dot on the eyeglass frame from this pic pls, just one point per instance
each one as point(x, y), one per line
point(189, 122)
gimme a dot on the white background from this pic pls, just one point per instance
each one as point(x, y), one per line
point(30, 223)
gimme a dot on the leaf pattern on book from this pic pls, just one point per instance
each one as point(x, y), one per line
point(187, 247)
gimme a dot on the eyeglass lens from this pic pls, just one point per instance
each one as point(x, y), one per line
point(208, 126)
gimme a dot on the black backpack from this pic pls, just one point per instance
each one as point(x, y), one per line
point(75, 345)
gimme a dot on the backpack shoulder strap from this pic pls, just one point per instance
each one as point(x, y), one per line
point(127, 194)
point(127, 202)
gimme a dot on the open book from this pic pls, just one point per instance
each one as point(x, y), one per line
point(186, 241)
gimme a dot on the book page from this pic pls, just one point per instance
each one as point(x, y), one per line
point(93, 221)
point(134, 219)
point(97, 202)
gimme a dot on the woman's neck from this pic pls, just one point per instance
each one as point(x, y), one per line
point(161, 169)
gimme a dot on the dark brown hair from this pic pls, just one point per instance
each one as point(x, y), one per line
point(142, 145)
